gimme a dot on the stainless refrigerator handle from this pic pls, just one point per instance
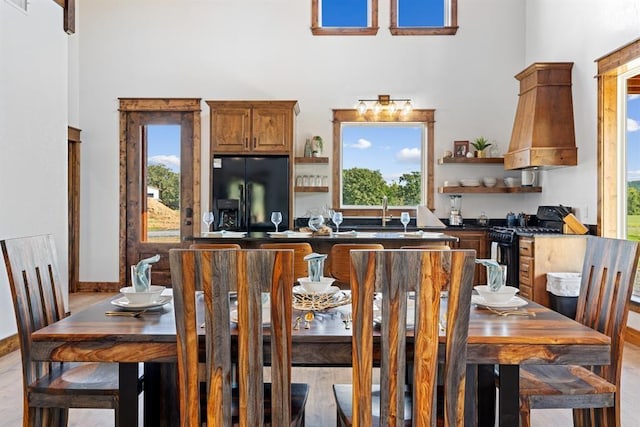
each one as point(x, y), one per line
point(248, 205)
point(241, 207)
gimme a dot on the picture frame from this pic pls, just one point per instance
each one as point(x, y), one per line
point(460, 148)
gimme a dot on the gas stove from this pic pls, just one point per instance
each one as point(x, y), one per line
point(509, 234)
point(548, 220)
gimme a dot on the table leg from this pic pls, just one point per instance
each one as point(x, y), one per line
point(471, 396)
point(509, 395)
point(128, 404)
point(161, 395)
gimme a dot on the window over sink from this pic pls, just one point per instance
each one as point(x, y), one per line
point(382, 154)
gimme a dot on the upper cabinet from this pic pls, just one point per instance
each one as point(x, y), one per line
point(242, 127)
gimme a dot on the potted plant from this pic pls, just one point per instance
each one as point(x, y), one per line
point(316, 146)
point(480, 144)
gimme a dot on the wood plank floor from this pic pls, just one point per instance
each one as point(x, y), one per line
point(320, 408)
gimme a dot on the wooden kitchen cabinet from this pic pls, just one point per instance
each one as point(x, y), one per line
point(476, 240)
point(542, 254)
point(244, 127)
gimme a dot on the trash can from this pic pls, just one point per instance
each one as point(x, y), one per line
point(564, 289)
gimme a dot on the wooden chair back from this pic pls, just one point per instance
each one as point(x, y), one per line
point(50, 388)
point(300, 250)
point(249, 272)
point(433, 247)
point(214, 246)
point(34, 279)
point(394, 273)
point(340, 262)
point(608, 275)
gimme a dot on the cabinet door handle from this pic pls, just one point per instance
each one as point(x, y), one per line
point(246, 143)
point(254, 143)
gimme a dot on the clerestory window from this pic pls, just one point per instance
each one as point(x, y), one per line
point(344, 17)
point(424, 17)
point(408, 17)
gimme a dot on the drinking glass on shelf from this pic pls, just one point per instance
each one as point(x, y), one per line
point(404, 219)
point(276, 219)
point(337, 220)
point(207, 218)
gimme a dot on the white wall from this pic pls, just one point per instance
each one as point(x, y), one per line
point(250, 49)
point(579, 31)
point(33, 132)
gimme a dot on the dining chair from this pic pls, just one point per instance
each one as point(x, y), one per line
point(433, 247)
point(249, 273)
point(395, 401)
point(593, 392)
point(50, 389)
point(214, 246)
point(340, 262)
point(300, 250)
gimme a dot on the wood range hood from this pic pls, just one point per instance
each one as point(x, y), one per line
point(543, 133)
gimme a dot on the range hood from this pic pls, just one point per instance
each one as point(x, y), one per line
point(543, 133)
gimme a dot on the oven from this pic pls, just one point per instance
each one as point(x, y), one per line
point(505, 240)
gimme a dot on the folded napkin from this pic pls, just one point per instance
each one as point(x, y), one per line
point(496, 273)
point(141, 274)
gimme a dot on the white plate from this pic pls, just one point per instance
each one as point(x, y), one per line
point(302, 291)
point(423, 234)
point(290, 234)
point(514, 302)
point(123, 302)
point(377, 317)
point(225, 233)
point(266, 316)
point(469, 183)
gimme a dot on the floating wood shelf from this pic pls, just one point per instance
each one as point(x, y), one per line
point(483, 190)
point(311, 189)
point(312, 160)
point(467, 160)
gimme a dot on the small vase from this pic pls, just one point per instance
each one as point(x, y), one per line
point(481, 154)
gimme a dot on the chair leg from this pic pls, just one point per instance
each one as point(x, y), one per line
point(525, 413)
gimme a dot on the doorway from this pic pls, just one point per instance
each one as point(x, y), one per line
point(160, 197)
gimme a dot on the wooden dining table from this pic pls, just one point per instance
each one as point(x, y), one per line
point(507, 341)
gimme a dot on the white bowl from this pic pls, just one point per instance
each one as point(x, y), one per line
point(153, 294)
point(511, 182)
point(489, 181)
point(316, 287)
point(500, 296)
point(469, 182)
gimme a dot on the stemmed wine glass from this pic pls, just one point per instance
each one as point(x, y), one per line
point(207, 218)
point(276, 219)
point(337, 220)
point(404, 219)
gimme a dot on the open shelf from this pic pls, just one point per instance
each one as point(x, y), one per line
point(311, 189)
point(312, 160)
point(467, 160)
point(484, 190)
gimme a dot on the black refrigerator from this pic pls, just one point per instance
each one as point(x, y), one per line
point(246, 189)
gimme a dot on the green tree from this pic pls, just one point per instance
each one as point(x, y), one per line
point(410, 184)
point(363, 187)
point(633, 201)
point(168, 182)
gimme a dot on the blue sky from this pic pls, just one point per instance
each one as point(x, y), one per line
point(633, 138)
point(391, 149)
point(164, 145)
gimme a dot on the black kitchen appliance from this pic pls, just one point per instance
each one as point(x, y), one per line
point(246, 189)
point(548, 220)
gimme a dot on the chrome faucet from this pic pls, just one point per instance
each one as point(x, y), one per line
point(384, 211)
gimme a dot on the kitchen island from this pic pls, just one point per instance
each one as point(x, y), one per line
point(323, 243)
point(457, 238)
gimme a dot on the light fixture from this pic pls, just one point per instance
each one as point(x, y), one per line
point(384, 103)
